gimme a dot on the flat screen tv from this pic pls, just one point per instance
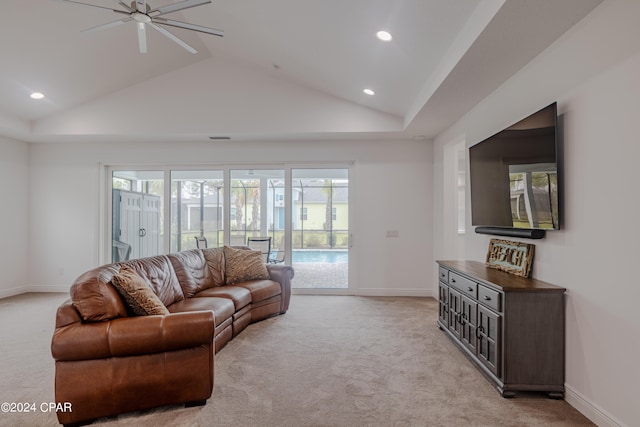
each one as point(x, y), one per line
point(514, 176)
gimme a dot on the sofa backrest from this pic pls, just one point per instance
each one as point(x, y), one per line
point(97, 300)
point(192, 271)
point(216, 263)
point(172, 278)
point(159, 273)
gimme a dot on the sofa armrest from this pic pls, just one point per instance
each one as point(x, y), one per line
point(282, 274)
point(132, 336)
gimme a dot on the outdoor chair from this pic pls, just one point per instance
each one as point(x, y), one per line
point(262, 244)
point(201, 242)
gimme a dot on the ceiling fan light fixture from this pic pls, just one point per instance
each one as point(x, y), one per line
point(385, 36)
point(141, 18)
point(37, 95)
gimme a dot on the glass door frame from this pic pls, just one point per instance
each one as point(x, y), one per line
point(106, 174)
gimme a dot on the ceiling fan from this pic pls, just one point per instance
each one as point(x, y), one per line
point(144, 15)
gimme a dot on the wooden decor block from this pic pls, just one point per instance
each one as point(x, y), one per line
point(512, 257)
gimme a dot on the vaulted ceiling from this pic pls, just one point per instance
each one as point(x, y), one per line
point(285, 69)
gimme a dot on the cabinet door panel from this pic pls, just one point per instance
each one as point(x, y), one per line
point(468, 323)
point(443, 302)
point(489, 341)
point(455, 311)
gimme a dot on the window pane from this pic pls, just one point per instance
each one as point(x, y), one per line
point(257, 206)
point(197, 208)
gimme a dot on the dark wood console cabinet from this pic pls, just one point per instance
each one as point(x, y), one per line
point(510, 327)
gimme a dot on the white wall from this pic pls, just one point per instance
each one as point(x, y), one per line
point(392, 191)
point(594, 74)
point(14, 216)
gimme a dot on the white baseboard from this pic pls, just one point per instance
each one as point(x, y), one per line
point(589, 409)
point(374, 292)
point(366, 292)
point(53, 288)
point(6, 293)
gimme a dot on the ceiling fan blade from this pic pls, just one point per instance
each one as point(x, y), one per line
point(123, 4)
point(172, 37)
point(142, 37)
point(108, 25)
point(94, 5)
point(141, 6)
point(178, 6)
point(188, 26)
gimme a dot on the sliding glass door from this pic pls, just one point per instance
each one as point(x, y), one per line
point(197, 208)
point(320, 227)
point(304, 211)
point(257, 206)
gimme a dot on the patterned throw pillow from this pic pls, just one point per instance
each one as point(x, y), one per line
point(243, 264)
point(136, 293)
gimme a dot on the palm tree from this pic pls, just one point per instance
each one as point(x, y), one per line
point(327, 190)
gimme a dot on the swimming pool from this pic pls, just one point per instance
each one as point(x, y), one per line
point(318, 255)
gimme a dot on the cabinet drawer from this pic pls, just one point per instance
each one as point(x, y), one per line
point(444, 274)
point(490, 298)
point(464, 285)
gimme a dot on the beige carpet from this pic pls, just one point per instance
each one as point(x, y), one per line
point(330, 361)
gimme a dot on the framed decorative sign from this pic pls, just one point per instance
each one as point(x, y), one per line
point(512, 257)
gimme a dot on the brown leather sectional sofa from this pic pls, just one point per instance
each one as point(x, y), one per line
point(109, 362)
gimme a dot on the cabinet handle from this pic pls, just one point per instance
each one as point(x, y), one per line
point(479, 331)
point(470, 289)
point(487, 298)
point(453, 280)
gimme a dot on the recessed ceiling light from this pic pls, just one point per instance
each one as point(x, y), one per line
point(369, 92)
point(385, 36)
point(36, 95)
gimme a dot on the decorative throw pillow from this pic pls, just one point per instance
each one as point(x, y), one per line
point(136, 293)
point(243, 264)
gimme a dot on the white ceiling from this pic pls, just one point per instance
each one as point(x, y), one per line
point(285, 69)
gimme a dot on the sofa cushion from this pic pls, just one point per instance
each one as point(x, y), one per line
point(160, 275)
point(215, 262)
point(222, 308)
point(261, 289)
point(240, 296)
point(95, 298)
point(192, 271)
point(243, 264)
point(136, 293)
